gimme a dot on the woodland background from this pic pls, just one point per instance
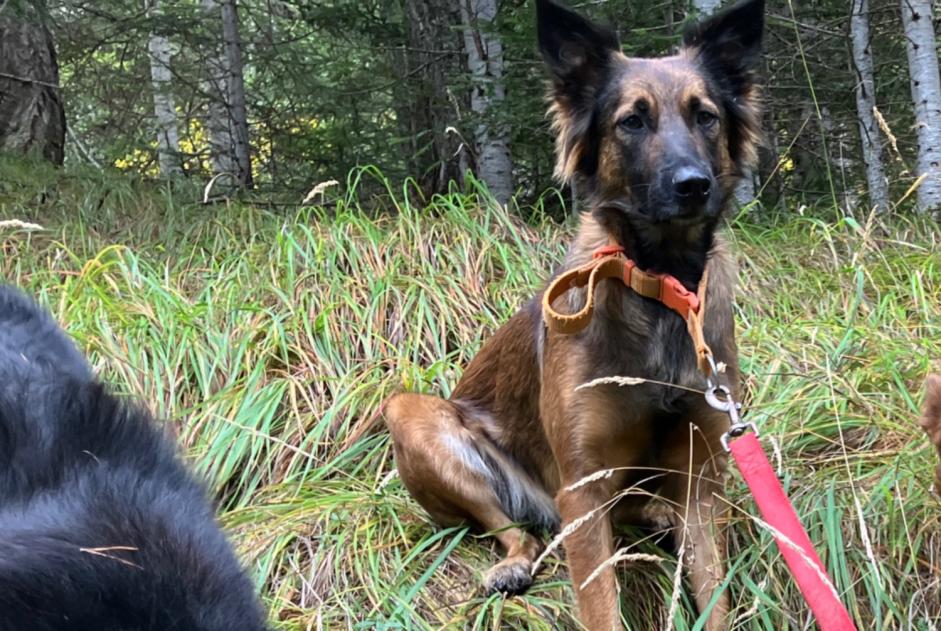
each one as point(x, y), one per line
point(354, 242)
point(285, 95)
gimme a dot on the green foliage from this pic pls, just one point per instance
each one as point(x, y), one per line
point(267, 341)
point(330, 88)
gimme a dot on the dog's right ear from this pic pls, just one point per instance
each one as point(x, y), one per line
point(575, 49)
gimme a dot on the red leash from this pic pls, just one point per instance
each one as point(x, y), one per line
point(790, 535)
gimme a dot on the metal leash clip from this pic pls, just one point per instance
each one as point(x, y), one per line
point(719, 397)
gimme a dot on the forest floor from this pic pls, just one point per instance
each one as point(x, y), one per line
point(267, 339)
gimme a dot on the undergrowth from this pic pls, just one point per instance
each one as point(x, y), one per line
point(268, 338)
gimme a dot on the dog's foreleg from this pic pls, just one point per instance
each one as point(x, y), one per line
point(694, 489)
point(587, 546)
point(703, 518)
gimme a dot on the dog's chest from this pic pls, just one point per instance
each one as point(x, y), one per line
point(635, 337)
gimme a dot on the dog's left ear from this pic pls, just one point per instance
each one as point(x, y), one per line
point(576, 50)
point(728, 44)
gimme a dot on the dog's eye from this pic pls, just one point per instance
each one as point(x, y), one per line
point(632, 122)
point(706, 119)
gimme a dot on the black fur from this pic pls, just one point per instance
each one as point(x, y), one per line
point(729, 44)
point(571, 44)
point(102, 528)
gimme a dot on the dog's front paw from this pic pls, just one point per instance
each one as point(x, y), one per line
point(510, 576)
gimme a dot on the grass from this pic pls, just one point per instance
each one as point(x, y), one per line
point(267, 340)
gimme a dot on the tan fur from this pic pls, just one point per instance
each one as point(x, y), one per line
point(931, 420)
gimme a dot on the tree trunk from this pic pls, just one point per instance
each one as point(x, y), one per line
point(745, 192)
point(706, 7)
point(926, 95)
point(227, 121)
point(485, 62)
point(869, 132)
point(433, 57)
point(32, 119)
point(168, 137)
point(236, 85)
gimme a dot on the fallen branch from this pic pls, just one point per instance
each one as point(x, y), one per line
point(208, 190)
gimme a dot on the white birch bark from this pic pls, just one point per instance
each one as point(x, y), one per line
point(706, 7)
point(926, 96)
point(485, 61)
point(869, 133)
point(221, 142)
point(168, 137)
point(745, 191)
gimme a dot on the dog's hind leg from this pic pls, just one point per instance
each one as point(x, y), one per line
point(460, 476)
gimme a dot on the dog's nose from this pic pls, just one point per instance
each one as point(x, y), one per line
point(691, 186)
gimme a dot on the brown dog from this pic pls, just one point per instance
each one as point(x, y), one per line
point(656, 147)
point(931, 420)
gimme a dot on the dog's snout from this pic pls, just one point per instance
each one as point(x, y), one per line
point(691, 186)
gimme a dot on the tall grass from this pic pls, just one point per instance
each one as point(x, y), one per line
point(267, 340)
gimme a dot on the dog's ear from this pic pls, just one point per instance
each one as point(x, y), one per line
point(575, 50)
point(728, 45)
point(578, 54)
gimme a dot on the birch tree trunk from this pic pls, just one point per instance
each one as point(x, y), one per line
point(926, 95)
point(869, 133)
point(745, 192)
point(432, 60)
point(221, 141)
point(227, 121)
point(32, 119)
point(168, 137)
point(706, 7)
point(485, 61)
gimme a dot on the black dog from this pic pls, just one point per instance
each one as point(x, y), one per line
point(102, 528)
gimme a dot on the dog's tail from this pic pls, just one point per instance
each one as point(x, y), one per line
point(455, 439)
point(522, 498)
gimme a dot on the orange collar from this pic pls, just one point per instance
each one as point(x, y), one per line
point(610, 262)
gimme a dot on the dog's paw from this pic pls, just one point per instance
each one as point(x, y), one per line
point(510, 576)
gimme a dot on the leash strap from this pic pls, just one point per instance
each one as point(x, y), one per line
point(610, 266)
point(789, 534)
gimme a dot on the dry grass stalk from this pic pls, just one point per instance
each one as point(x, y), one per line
point(617, 557)
point(16, 224)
